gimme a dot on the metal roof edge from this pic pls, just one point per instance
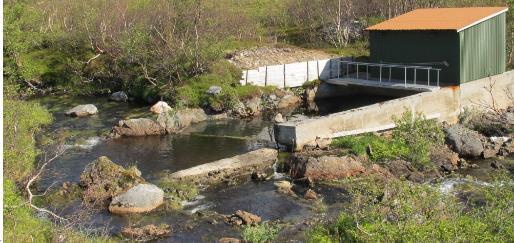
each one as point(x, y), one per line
point(483, 19)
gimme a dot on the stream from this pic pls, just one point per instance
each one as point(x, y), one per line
point(201, 143)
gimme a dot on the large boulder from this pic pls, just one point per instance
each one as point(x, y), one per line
point(82, 110)
point(102, 179)
point(173, 122)
point(160, 107)
point(324, 167)
point(138, 127)
point(119, 96)
point(138, 199)
point(288, 101)
point(253, 106)
point(466, 142)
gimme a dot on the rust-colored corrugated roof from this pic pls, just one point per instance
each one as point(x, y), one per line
point(440, 19)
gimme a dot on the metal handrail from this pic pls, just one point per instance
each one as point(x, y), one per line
point(390, 67)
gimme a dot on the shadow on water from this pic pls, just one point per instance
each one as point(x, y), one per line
point(328, 106)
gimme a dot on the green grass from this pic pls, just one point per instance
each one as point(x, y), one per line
point(412, 139)
point(260, 233)
point(401, 211)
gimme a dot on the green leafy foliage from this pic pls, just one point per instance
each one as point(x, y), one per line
point(412, 139)
point(401, 211)
point(419, 134)
point(260, 233)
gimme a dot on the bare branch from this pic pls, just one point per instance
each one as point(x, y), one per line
point(59, 152)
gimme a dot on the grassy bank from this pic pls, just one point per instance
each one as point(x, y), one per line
point(22, 123)
point(402, 211)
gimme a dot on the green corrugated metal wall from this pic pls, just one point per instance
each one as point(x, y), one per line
point(409, 47)
point(473, 53)
point(482, 49)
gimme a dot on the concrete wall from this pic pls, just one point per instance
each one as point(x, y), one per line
point(444, 104)
point(476, 93)
point(293, 74)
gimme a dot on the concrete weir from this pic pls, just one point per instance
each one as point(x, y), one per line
point(444, 104)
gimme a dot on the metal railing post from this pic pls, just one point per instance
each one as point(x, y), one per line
point(405, 76)
point(428, 76)
point(357, 71)
point(438, 77)
point(347, 70)
point(367, 73)
point(380, 73)
point(415, 75)
point(338, 68)
point(389, 73)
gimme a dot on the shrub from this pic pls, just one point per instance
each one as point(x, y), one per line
point(260, 233)
point(419, 135)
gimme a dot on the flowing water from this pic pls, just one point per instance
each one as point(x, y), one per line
point(201, 143)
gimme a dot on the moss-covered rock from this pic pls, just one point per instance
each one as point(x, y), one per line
point(102, 179)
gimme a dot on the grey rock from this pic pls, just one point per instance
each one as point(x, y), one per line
point(214, 90)
point(138, 199)
point(82, 110)
point(119, 96)
point(465, 142)
point(138, 127)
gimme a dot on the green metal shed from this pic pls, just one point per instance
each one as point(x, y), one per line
point(466, 43)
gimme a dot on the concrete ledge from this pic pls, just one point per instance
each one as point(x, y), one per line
point(443, 104)
point(237, 165)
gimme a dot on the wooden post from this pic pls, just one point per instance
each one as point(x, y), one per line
point(307, 78)
point(266, 77)
point(317, 68)
point(330, 70)
point(284, 75)
point(246, 78)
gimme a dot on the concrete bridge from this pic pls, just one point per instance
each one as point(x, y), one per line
point(442, 103)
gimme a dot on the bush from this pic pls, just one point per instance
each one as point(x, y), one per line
point(419, 134)
point(401, 211)
point(260, 233)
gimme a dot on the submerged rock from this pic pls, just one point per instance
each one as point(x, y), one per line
point(82, 110)
point(229, 240)
point(243, 218)
point(324, 167)
point(119, 96)
point(160, 107)
point(466, 142)
point(102, 179)
point(238, 165)
point(138, 199)
point(147, 232)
